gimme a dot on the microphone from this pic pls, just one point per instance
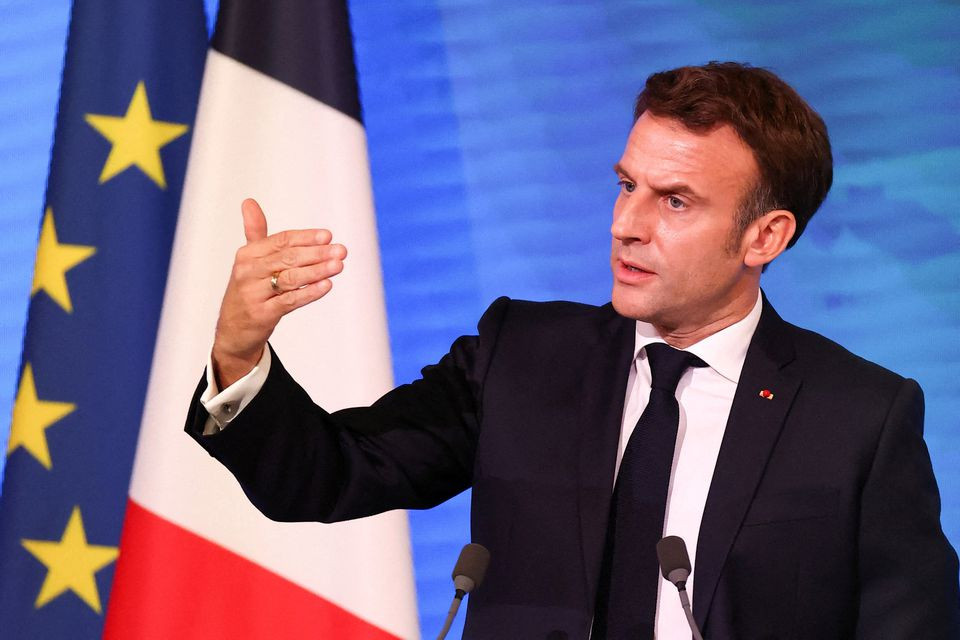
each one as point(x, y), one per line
point(467, 575)
point(675, 566)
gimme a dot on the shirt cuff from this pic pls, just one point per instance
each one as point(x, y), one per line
point(224, 406)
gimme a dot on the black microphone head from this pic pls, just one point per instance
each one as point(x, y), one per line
point(471, 567)
point(674, 561)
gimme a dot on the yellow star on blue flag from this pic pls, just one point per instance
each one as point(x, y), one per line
point(71, 563)
point(31, 418)
point(136, 138)
point(54, 259)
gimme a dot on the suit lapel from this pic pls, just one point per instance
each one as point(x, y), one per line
point(605, 372)
point(751, 433)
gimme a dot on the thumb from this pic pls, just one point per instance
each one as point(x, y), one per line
point(254, 222)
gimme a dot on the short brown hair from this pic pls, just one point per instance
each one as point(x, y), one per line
point(788, 138)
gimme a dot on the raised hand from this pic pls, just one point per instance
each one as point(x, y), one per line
point(272, 275)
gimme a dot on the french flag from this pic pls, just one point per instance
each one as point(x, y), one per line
point(279, 120)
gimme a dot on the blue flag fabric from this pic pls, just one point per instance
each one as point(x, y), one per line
point(128, 98)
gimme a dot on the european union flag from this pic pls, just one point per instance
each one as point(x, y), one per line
point(129, 94)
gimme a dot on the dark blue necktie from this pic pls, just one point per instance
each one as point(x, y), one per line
point(629, 575)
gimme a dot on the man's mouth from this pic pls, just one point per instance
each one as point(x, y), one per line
point(634, 268)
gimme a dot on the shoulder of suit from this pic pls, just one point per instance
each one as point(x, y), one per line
point(832, 361)
point(553, 308)
point(552, 312)
point(554, 322)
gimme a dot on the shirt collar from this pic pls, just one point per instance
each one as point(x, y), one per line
point(724, 351)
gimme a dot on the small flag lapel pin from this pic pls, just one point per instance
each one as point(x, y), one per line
point(766, 394)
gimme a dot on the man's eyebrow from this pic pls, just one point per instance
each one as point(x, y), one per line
point(677, 187)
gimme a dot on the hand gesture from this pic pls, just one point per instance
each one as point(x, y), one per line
point(271, 276)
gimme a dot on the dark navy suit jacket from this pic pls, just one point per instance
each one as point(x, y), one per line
point(822, 519)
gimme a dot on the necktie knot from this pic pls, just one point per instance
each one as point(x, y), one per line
point(667, 365)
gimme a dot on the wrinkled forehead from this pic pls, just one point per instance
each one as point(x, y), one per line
point(662, 147)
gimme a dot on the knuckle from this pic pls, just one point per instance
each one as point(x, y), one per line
point(289, 300)
point(241, 270)
point(282, 239)
point(287, 279)
point(288, 257)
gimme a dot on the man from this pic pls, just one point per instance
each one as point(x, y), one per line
point(795, 471)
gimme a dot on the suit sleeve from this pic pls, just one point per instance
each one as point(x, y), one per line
point(412, 449)
point(907, 568)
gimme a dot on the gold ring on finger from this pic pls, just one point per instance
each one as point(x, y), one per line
point(274, 284)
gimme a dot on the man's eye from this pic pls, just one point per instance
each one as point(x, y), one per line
point(676, 203)
point(627, 186)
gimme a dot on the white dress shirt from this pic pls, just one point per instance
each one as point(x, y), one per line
point(704, 394)
point(224, 406)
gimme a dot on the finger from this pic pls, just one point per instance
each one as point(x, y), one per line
point(289, 238)
point(287, 302)
point(300, 276)
point(254, 222)
point(294, 257)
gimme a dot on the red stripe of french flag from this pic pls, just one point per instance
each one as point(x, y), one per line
point(186, 596)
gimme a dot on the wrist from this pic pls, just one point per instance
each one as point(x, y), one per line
point(230, 367)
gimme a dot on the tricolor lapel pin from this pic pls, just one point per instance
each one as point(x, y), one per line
point(766, 394)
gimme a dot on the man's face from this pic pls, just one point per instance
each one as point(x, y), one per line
point(673, 261)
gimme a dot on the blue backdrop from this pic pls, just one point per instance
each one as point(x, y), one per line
point(492, 129)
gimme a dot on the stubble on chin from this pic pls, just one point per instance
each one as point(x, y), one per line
point(631, 304)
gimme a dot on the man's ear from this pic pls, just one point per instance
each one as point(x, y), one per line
point(767, 237)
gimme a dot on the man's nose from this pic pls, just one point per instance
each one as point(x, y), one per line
point(632, 221)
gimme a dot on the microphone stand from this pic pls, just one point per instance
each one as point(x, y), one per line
point(685, 603)
point(454, 607)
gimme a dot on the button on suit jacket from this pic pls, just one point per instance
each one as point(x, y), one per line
point(822, 520)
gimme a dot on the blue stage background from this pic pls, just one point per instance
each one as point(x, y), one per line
point(492, 129)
